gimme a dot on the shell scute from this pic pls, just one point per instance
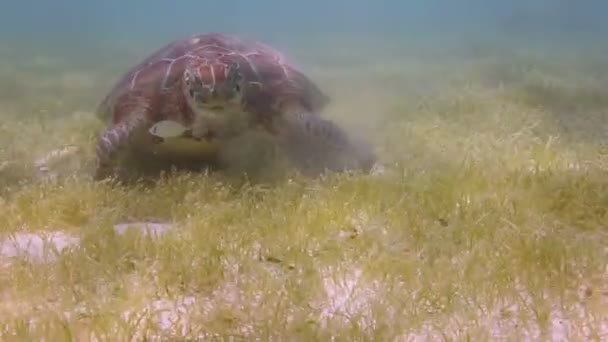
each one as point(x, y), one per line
point(156, 78)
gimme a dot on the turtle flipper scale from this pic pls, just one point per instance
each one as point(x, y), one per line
point(315, 144)
point(111, 145)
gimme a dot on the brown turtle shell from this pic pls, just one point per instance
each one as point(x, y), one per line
point(154, 82)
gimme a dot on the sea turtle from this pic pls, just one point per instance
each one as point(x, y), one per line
point(218, 86)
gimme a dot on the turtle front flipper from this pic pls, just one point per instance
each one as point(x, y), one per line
point(315, 144)
point(112, 145)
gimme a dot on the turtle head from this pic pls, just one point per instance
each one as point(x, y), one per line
point(214, 87)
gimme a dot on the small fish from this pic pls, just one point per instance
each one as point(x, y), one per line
point(168, 129)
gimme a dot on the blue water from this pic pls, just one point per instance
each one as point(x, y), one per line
point(88, 24)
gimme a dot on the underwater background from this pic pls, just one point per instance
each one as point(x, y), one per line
point(488, 220)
